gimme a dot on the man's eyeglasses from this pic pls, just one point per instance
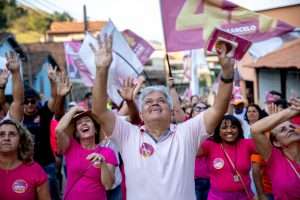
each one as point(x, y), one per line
point(28, 101)
point(199, 109)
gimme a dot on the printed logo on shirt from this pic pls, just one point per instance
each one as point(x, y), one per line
point(146, 150)
point(218, 163)
point(37, 119)
point(19, 186)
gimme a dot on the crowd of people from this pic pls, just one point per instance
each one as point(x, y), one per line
point(154, 146)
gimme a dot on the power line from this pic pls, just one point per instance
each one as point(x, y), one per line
point(49, 6)
point(31, 5)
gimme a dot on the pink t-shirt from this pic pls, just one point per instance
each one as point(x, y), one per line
point(83, 179)
point(201, 167)
point(220, 168)
point(285, 183)
point(22, 182)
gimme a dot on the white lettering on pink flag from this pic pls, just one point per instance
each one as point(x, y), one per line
point(188, 23)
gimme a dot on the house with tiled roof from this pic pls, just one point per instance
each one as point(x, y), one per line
point(278, 70)
point(67, 31)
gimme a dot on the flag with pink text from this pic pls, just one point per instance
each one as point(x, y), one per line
point(188, 23)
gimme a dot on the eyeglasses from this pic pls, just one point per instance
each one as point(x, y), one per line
point(199, 109)
point(28, 101)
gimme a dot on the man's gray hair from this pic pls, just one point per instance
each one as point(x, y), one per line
point(150, 89)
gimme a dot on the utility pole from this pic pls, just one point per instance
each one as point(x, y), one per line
point(85, 19)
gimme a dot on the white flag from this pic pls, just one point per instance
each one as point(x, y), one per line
point(125, 62)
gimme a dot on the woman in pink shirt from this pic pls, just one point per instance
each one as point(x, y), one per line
point(90, 167)
point(228, 155)
point(282, 151)
point(21, 178)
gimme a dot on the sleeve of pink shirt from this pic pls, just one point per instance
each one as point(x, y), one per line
point(205, 146)
point(109, 155)
point(38, 174)
point(251, 145)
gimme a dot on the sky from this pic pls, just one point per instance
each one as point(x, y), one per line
point(141, 16)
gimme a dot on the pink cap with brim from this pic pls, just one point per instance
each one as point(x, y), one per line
point(269, 98)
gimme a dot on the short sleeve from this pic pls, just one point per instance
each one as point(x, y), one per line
point(205, 147)
point(109, 155)
point(194, 130)
point(251, 145)
point(122, 131)
point(256, 158)
point(38, 174)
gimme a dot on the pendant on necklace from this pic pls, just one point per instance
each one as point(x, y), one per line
point(236, 178)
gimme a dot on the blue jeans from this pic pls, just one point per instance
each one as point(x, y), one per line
point(52, 179)
point(269, 196)
point(114, 194)
point(202, 186)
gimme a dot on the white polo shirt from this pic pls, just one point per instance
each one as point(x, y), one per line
point(162, 170)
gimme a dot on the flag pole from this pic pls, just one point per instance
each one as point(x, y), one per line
point(169, 66)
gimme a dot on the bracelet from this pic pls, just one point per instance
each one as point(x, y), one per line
point(227, 80)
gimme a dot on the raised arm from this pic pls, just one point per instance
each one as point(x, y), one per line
point(52, 76)
point(103, 59)
point(60, 87)
point(258, 129)
point(214, 114)
point(178, 112)
point(127, 93)
point(3, 80)
point(16, 110)
point(64, 87)
point(62, 133)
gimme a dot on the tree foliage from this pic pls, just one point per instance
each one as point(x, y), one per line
point(22, 19)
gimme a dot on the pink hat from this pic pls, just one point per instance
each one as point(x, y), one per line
point(270, 98)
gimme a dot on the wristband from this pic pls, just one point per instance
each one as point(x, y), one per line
point(226, 80)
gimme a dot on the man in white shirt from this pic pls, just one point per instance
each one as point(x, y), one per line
point(159, 157)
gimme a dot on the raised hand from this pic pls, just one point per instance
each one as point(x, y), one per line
point(13, 62)
point(139, 84)
point(64, 85)
point(273, 109)
point(295, 104)
point(3, 77)
point(52, 73)
point(103, 55)
point(226, 62)
point(127, 91)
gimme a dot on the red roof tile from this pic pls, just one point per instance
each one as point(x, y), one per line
point(74, 27)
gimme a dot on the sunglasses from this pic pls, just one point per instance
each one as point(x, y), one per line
point(29, 101)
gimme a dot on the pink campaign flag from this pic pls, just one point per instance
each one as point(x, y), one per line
point(189, 23)
point(141, 47)
point(76, 67)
